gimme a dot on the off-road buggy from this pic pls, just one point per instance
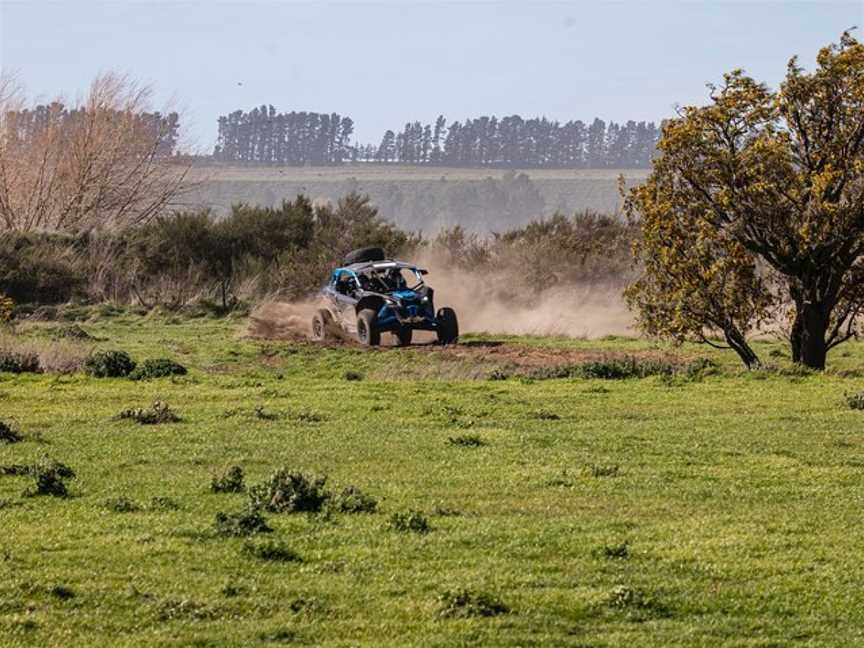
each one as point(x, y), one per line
point(369, 295)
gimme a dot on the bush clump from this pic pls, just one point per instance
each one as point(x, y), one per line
point(229, 480)
point(109, 364)
point(121, 504)
point(243, 523)
point(466, 441)
point(604, 470)
point(156, 414)
point(465, 603)
point(620, 551)
point(855, 400)
point(353, 375)
point(353, 500)
point(49, 478)
point(637, 603)
point(409, 522)
point(9, 433)
point(623, 368)
point(162, 503)
point(159, 368)
point(19, 361)
point(288, 491)
point(271, 550)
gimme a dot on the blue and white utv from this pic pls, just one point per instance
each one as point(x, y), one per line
point(369, 295)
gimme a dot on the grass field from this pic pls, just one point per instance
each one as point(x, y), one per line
point(713, 508)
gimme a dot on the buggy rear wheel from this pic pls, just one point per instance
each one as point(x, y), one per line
point(322, 325)
point(367, 327)
point(448, 326)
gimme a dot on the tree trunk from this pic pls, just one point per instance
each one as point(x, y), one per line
point(738, 343)
point(795, 338)
point(814, 324)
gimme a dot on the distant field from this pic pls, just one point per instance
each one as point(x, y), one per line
point(708, 508)
point(424, 198)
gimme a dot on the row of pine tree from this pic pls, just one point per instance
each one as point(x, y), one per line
point(263, 136)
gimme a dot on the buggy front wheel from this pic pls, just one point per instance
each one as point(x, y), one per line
point(367, 327)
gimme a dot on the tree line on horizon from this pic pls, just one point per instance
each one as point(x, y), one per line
point(24, 126)
point(264, 136)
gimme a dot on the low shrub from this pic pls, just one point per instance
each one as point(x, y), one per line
point(288, 491)
point(264, 415)
point(619, 551)
point(353, 375)
point(621, 368)
point(553, 372)
point(9, 433)
point(242, 523)
point(184, 609)
point(610, 470)
point(19, 361)
point(443, 510)
point(49, 478)
point(121, 504)
point(855, 400)
point(156, 414)
point(637, 603)
point(62, 592)
point(545, 415)
point(15, 469)
point(159, 368)
point(466, 603)
point(353, 500)
point(229, 480)
point(466, 441)
point(109, 364)
point(307, 416)
point(161, 503)
point(271, 550)
point(409, 522)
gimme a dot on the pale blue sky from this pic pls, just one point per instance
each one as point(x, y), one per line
point(386, 63)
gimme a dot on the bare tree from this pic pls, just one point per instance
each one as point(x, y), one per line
point(94, 166)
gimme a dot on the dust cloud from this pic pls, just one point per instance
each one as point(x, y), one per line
point(484, 303)
point(499, 302)
point(282, 320)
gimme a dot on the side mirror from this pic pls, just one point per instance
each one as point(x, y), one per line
point(423, 271)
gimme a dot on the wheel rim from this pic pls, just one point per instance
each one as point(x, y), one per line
point(361, 330)
point(318, 328)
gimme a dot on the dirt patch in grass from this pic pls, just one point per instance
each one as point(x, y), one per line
point(467, 360)
point(499, 361)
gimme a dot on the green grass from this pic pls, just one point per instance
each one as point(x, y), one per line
point(738, 498)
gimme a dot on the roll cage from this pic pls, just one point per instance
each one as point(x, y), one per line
point(375, 277)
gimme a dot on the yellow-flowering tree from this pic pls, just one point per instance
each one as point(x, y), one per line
point(760, 179)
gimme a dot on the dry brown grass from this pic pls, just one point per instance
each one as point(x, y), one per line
point(47, 356)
